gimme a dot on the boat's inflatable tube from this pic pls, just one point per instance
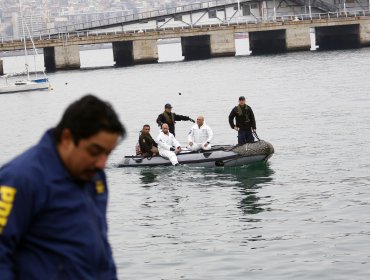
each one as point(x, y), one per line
point(257, 148)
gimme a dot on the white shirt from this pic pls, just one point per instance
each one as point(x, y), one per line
point(167, 141)
point(201, 134)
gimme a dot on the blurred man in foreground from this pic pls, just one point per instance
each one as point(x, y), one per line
point(53, 199)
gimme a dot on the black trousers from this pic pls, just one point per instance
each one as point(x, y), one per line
point(245, 136)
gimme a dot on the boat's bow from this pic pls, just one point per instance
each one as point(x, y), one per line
point(253, 149)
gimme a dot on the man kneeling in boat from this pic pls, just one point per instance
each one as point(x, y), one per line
point(148, 147)
point(200, 136)
point(168, 146)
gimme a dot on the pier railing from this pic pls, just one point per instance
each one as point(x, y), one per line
point(143, 16)
point(227, 22)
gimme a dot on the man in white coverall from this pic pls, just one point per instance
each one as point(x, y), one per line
point(200, 136)
point(168, 146)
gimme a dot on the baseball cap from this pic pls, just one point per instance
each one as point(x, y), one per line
point(241, 98)
point(168, 106)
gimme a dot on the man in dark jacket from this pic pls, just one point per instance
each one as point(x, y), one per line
point(245, 122)
point(148, 147)
point(170, 118)
point(53, 199)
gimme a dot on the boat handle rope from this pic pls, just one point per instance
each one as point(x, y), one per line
point(255, 134)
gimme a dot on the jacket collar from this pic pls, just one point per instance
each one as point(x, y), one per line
point(50, 156)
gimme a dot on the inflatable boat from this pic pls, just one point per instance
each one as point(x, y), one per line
point(219, 155)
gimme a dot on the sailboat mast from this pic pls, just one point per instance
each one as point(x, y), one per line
point(24, 40)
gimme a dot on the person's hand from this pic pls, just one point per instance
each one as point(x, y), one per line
point(193, 121)
point(206, 144)
point(190, 144)
point(178, 150)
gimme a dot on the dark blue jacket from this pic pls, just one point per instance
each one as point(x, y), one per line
point(52, 227)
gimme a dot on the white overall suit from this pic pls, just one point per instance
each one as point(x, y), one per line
point(200, 136)
point(165, 143)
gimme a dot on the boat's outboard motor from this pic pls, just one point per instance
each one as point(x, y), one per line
point(219, 163)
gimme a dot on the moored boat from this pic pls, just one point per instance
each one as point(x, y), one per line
point(219, 155)
point(26, 85)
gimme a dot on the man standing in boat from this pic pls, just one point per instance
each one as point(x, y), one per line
point(245, 123)
point(168, 146)
point(200, 136)
point(53, 199)
point(170, 118)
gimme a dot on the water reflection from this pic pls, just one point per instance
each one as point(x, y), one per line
point(251, 178)
point(148, 177)
point(247, 180)
point(153, 176)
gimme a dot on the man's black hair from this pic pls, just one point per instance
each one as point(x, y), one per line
point(87, 117)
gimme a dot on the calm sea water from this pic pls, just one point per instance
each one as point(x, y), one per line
point(303, 215)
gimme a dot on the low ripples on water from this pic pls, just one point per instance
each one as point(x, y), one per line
point(191, 218)
point(304, 215)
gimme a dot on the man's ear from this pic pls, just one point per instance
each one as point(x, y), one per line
point(66, 137)
point(65, 145)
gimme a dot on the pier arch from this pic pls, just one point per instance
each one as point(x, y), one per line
point(196, 47)
point(267, 42)
point(338, 37)
point(123, 53)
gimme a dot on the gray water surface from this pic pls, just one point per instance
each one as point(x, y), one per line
point(304, 215)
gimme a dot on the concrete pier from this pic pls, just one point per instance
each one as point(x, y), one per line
point(213, 40)
point(145, 51)
point(223, 43)
point(365, 33)
point(62, 57)
point(67, 57)
point(1, 67)
point(298, 39)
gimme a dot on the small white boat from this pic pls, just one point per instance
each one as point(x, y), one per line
point(219, 155)
point(25, 85)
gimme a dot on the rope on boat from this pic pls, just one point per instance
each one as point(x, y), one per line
point(255, 135)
